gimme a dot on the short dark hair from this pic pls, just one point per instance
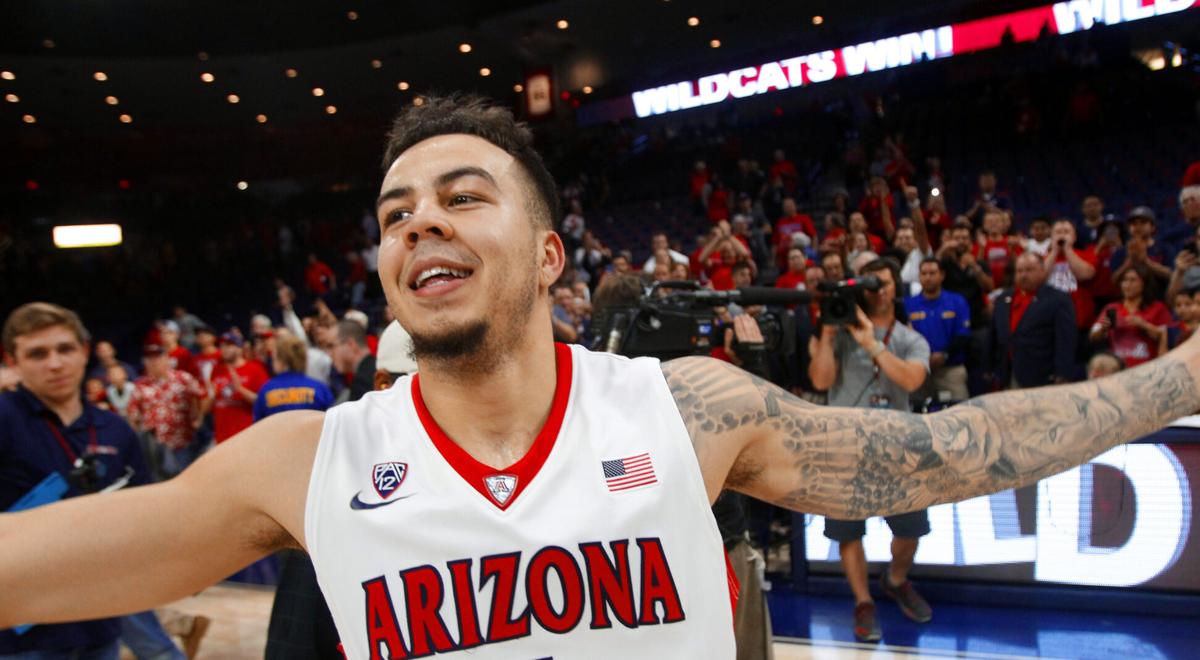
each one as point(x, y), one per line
point(741, 265)
point(470, 114)
point(932, 260)
point(37, 316)
point(351, 331)
point(883, 263)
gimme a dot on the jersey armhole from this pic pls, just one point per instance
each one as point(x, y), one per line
point(317, 481)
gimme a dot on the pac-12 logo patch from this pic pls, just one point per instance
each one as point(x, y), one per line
point(387, 477)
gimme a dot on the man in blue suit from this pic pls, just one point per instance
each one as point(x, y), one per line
point(1032, 339)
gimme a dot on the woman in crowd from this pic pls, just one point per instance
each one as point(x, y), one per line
point(1136, 326)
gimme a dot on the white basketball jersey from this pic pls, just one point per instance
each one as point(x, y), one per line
point(599, 543)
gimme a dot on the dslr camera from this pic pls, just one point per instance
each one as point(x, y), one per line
point(841, 300)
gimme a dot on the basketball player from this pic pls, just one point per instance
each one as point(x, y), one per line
point(523, 498)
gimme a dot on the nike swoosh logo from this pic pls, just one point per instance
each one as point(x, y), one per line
point(359, 505)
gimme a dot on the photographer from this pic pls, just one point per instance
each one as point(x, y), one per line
point(875, 363)
point(46, 427)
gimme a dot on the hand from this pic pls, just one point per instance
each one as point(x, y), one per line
point(1104, 323)
point(937, 360)
point(967, 261)
point(828, 330)
point(1184, 261)
point(911, 195)
point(863, 331)
point(1014, 242)
point(726, 229)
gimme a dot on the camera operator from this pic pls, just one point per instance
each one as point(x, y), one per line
point(875, 363)
point(47, 427)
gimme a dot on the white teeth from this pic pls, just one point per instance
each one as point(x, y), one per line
point(439, 270)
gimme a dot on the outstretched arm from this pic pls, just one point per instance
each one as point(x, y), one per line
point(852, 463)
point(111, 554)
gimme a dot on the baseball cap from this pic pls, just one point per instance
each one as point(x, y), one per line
point(170, 326)
point(395, 348)
point(230, 338)
point(153, 349)
point(1141, 212)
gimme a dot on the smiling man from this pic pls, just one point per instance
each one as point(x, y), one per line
point(523, 498)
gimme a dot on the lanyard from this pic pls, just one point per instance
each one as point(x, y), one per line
point(62, 442)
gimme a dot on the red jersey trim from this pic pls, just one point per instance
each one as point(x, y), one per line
point(476, 473)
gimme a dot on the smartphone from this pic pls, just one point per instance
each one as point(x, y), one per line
point(1112, 317)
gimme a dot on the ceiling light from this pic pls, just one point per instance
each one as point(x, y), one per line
point(715, 43)
point(125, 119)
point(100, 76)
point(375, 64)
point(331, 109)
point(485, 72)
point(518, 88)
point(587, 89)
point(317, 91)
point(233, 98)
point(693, 21)
point(562, 24)
point(402, 85)
point(464, 47)
point(290, 73)
point(29, 119)
point(111, 100)
point(242, 185)
point(352, 15)
point(8, 75)
point(817, 20)
point(207, 77)
point(262, 119)
point(84, 236)
point(11, 98)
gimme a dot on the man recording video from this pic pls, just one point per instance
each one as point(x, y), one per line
point(874, 363)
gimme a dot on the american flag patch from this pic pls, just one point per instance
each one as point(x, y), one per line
point(631, 472)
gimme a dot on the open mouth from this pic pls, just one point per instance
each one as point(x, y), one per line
point(438, 276)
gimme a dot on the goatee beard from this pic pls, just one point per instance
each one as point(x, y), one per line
point(448, 348)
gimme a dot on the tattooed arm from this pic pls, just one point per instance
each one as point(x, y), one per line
point(853, 463)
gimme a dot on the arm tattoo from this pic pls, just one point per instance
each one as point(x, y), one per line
point(857, 463)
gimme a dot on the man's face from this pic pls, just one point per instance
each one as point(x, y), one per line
point(834, 271)
point(1185, 307)
point(662, 272)
point(620, 265)
point(881, 300)
point(343, 356)
point(205, 340)
point(796, 261)
point(157, 366)
point(230, 352)
point(905, 240)
point(1029, 273)
point(105, 352)
point(460, 203)
point(51, 362)
point(931, 278)
point(962, 239)
point(987, 182)
point(858, 222)
point(789, 207)
point(1092, 207)
point(563, 297)
point(993, 223)
point(1141, 228)
point(741, 278)
point(117, 376)
point(1190, 206)
point(658, 242)
point(169, 337)
point(813, 276)
point(1064, 231)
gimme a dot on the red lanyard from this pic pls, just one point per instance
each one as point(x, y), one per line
point(62, 442)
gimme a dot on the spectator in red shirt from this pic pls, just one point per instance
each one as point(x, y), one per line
point(785, 170)
point(235, 384)
point(167, 406)
point(791, 222)
point(936, 218)
point(997, 250)
point(878, 208)
point(793, 277)
point(719, 256)
point(1135, 327)
point(207, 354)
point(319, 277)
point(179, 357)
point(1069, 269)
point(1104, 289)
point(858, 224)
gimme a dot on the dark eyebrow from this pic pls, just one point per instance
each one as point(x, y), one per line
point(460, 172)
point(442, 180)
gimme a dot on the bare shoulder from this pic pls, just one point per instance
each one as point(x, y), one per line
point(725, 409)
point(264, 470)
